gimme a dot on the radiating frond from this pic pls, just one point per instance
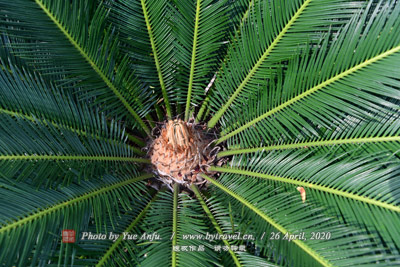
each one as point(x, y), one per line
point(190, 225)
point(50, 137)
point(199, 28)
point(36, 150)
point(272, 211)
point(58, 107)
point(38, 216)
point(238, 12)
point(147, 33)
point(72, 39)
point(234, 257)
point(349, 85)
point(361, 176)
point(123, 249)
point(273, 33)
point(159, 220)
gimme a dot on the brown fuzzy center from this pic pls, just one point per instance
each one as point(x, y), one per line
point(181, 151)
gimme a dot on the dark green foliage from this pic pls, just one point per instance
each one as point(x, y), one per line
point(302, 93)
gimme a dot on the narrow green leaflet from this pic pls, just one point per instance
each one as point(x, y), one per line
point(191, 228)
point(159, 220)
point(273, 210)
point(336, 90)
point(148, 40)
point(215, 224)
point(238, 12)
point(39, 216)
point(55, 41)
point(47, 155)
point(59, 107)
point(273, 32)
point(121, 248)
point(352, 175)
point(198, 40)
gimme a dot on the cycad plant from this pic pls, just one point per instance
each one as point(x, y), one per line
point(200, 133)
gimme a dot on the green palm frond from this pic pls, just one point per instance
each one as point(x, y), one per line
point(56, 38)
point(117, 251)
point(299, 101)
point(31, 150)
point(270, 205)
point(199, 27)
point(274, 34)
point(186, 218)
point(191, 221)
point(353, 177)
point(238, 12)
point(75, 144)
point(215, 224)
point(58, 107)
point(160, 220)
point(38, 216)
point(147, 33)
point(326, 79)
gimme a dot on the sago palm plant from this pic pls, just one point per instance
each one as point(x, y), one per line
point(200, 133)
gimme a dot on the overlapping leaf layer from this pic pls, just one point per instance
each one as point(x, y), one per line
point(305, 95)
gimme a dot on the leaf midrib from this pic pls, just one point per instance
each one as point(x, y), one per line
point(214, 222)
point(268, 219)
point(92, 64)
point(309, 185)
point(311, 91)
point(72, 158)
point(311, 144)
point(156, 59)
point(237, 33)
point(81, 198)
point(114, 246)
point(74, 130)
point(250, 74)
point(193, 61)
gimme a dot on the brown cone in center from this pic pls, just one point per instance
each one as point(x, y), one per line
point(181, 151)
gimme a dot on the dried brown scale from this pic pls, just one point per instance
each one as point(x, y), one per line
point(181, 151)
